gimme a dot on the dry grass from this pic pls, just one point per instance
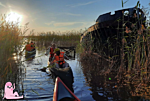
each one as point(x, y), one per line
point(9, 44)
point(131, 69)
point(65, 39)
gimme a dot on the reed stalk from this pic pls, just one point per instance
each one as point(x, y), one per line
point(10, 43)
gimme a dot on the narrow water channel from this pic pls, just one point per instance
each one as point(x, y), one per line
point(39, 86)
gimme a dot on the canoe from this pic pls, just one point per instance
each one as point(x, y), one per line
point(62, 92)
point(65, 74)
point(29, 53)
point(30, 57)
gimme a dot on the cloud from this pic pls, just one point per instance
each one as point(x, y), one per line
point(3, 5)
point(56, 24)
point(66, 23)
point(63, 24)
point(63, 27)
point(84, 25)
point(73, 14)
point(50, 23)
point(82, 4)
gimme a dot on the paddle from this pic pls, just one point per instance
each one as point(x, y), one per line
point(21, 52)
point(44, 69)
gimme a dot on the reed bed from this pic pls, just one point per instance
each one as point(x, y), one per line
point(65, 39)
point(130, 66)
point(10, 43)
point(133, 79)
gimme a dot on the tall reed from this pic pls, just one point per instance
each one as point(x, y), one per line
point(131, 47)
point(10, 43)
point(70, 38)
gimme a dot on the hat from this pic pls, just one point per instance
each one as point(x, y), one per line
point(57, 49)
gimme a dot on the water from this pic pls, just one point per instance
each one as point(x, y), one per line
point(38, 86)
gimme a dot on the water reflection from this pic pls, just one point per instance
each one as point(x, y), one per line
point(105, 86)
point(37, 85)
point(81, 88)
point(87, 86)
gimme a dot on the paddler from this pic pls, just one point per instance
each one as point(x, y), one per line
point(51, 52)
point(28, 47)
point(58, 59)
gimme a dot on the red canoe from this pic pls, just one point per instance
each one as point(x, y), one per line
point(62, 92)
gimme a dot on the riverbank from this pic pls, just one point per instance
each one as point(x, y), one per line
point(130, 70)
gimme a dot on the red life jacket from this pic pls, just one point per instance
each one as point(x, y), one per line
point(60, 58)
point(29, 47)
point(51, 52)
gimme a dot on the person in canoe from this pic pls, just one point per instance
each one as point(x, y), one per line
point(58, 59)
point(29, 47)
point(50, 50)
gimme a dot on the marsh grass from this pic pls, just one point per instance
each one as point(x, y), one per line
point(10, 43)
point(65, 39)
point(130, 66)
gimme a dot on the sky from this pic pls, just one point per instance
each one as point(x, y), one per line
point(62, 15)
